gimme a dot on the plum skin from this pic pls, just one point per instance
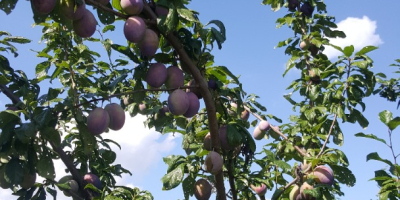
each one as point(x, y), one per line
point(223, 138)
point(93, 179)
point(43, 6)
point(98, 121)
point(68, 9)
point(134, 29)
point(194, 105)
point(178, 102)
point(132, 7)
point(202, 190)
point(207, 143)
point(156, 75)
point(149, 44)
point(323, 175)
point(86, 26)
point(213, 163)
point(117, 116)
point(175, 77)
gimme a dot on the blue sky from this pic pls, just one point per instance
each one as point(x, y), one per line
point(249, 52)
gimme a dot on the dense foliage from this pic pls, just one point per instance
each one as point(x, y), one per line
point(171, 52)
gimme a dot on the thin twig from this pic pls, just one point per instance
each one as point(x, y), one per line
point(327, 138)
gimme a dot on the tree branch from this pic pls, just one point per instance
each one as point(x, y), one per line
point(327, 138)
point(67, 161)
point(207, 97)
point(300, 150)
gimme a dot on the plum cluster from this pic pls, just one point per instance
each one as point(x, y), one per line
point(112, 117)
point(321, 175)
point(179, 102)
point(74, 186)
point(135, 29)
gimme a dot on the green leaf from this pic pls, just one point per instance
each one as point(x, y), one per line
point(360, 118)
point(188, 186)
point(14, 172)
point(51, 135)
point(105, 16)
point(126, 51)
point(173, 178)
point(375, 156)
point(394, 123)
point(233, 135)
point(187, 14)
point(45, 166)
point(219, 36)
point(8, 5)
point(371, 136)
point(385, 117)
point(365, 50)
point(116, 4)
point(348, 51)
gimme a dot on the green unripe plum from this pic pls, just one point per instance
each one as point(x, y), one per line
point(304, 196)
point(223, 138)
point(194, 105)
point(195, 90)
point(202, 189)
point(85, 26)
point(207, 144)
point(43, 6)
point(324, 175)
point(258, 134)
point(295, 193)
point(149, 44)
point(304, 45)
point(156, 75)
point(117, 116)
point(213, 163)
point(178, 102)
point(134, 29)
point(132, 7)
point(68, 9)
point(175, 77)
point(98, 121)
point(259, 190)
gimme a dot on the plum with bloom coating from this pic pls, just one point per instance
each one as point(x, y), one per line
point(98, 121)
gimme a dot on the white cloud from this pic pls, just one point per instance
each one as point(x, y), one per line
point(142, 150)
point(359, 32)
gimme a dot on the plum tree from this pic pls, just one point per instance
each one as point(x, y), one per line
point(194, 105)
point(178, 102)
point(117, 116)
point(43, 6)
point(156, 75)
point(160, 33)
point(213, 163)
point(175, 77)
point(72, 10)
point(98, 121)
point(324, 175)
point(85, 26)
point(149, 44)
point(202, 189)
point(134, 29)
point(132, 7)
